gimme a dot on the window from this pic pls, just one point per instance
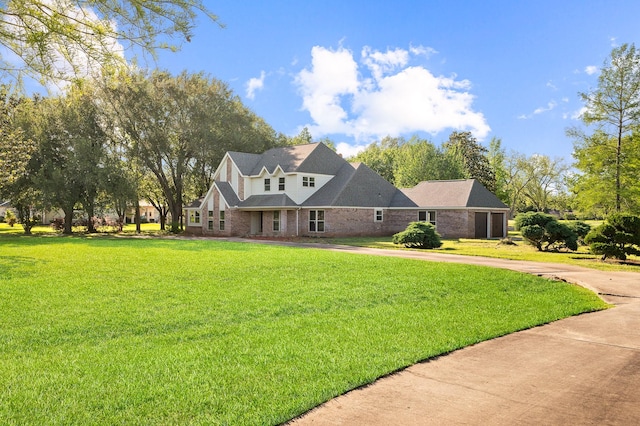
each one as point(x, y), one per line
point(427, 216)
point(221, 220)
point(276, 220)
point(267, 185)
point(281, 184)
point(194, 217)
point(378, 215)
point(308, 181)
point(316, 221)
point(210, 225)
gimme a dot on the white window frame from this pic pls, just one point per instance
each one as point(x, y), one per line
point(430, 216)
point(221, 220)
point(267, 184)
point(309, 181)
point(276, 221)
point(316, 221)
point(378, 215)
point(281, 184)
point(194, 217)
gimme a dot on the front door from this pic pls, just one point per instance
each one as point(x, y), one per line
point(256, 223)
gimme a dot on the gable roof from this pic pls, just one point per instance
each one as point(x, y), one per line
point(195, 204)
point(453, 193)
point(270, 200)
point(244, 161)
point(356, 185)
point(309, 158)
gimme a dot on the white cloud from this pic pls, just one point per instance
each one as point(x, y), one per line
point(383, 63)
point(591, 69)
point(551, 105)
point(579, 113)
point(254, 84)
point(397, 99)
point(348, 150)
point(540, 110)
point(421, 50)
point(333, 74)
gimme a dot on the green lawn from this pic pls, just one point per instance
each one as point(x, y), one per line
point(112, 330)
point(493, 248)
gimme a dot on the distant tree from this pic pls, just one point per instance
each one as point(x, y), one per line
point(60, 39)
point(179, 128)
point(17, 166)
point(542, 178)
point(473, 157)
point(497, 157)
point(381, 156)
point(71, 155)
point(596, 184)
point(614, 106)
point(303, 137)
point(419, 160)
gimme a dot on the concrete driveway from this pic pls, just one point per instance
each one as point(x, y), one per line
point(583, 370)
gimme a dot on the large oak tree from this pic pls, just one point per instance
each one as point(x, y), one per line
point(179, 127)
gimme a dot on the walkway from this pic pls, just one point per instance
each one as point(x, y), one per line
point(583, 370)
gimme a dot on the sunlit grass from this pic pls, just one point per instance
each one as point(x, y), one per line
point(156, 331)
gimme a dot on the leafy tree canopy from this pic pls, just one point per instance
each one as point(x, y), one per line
point(58, 40)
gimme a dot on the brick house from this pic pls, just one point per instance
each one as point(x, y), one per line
point(309, 190)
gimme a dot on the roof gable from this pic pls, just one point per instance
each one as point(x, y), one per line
point(308, 158)
point(453, 193)
point(356, 185)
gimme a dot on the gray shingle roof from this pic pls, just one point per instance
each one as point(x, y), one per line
point(308, 158)
point(228, 193)
point(245, 162)
point(195, 204)
point(265, 201)
point(453, 193)
point(356, 185)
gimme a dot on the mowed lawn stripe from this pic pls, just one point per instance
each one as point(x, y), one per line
point(160, 331)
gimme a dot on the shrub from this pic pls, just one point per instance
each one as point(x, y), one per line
point(618, 237)
point(57, 224)
point(418, 235)
point(581, 229)
point(10, 218)
point(544, 232)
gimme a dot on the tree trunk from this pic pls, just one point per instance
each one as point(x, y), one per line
point(137, 218)
point(618, 158)
point(68, 221)
point(163, 218)
point(91, 229)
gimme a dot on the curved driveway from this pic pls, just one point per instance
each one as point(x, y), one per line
point(583, 370)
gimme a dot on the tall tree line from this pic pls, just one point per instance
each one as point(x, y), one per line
point(137, 136)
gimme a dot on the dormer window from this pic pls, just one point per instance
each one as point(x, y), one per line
point(267, 185)
point(281, 184)
point(308, 181)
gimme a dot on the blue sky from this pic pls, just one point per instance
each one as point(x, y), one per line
point(356, 71)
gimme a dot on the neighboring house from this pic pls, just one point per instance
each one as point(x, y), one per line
point(309, 190)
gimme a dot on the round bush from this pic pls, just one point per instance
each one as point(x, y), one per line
point(418, 235)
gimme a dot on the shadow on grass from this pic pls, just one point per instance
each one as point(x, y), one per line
point(176, 242)
point(17, 265)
